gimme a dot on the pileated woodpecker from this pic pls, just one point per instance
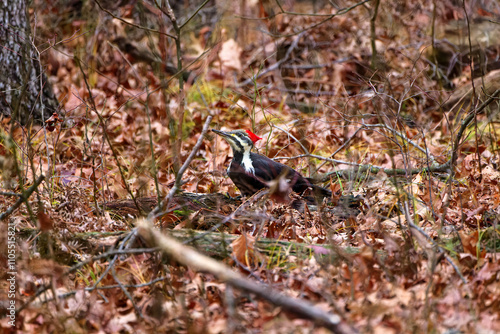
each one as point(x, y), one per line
point(251, 172)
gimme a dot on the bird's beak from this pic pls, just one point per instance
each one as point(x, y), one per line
point(221, 133)
point(230, 138)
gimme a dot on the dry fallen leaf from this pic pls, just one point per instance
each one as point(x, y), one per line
point(244, 251)
point(230, 55)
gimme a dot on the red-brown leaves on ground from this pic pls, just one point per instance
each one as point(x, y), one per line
point(416, 253)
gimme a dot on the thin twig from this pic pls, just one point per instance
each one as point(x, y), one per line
point(194, 14)
point(108, 287)
point(306, 151)
point(3, 193)
point(132, 24)
point(106, 136)
point(125, 291)
point(255, 197)
point(83, 263)
point(275, 65)
point(400, 135)
point(465, 124)
point(319, 157)
point(178, 179)
point(23, 197)
point(447, 257)
point(373, 35)
point(312, 26)
point(112, 262)
point(347, 142)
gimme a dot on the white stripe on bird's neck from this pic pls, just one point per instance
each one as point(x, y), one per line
point(244, 148)
point(247, 162)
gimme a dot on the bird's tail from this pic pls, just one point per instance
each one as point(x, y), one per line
point(321, 192)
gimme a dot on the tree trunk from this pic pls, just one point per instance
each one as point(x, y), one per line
point(25, 92)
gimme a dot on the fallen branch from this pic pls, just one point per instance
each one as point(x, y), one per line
point(348, 173)
point(214, 244)
point(189, 257)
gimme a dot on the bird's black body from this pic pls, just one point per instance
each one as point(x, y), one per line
point(251, 172)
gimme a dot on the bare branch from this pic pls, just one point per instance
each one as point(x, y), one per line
point(132, 24)
point(465, 124)
point(189, 257)
point(178, 179)
point(23, 197)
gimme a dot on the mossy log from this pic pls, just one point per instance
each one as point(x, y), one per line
point(484, 86)
point(181, 205)
point(214, 244)
point(213, 208)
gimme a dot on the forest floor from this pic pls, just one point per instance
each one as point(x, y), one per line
point(417, 250)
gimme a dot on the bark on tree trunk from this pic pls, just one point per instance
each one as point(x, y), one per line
point(25, 92)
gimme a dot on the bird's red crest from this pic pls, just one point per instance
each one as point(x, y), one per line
point(253, 136)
